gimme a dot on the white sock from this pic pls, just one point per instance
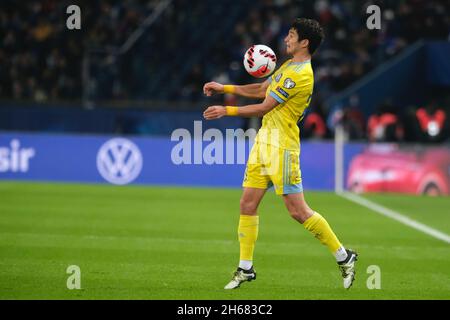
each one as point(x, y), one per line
point(245, 264)
point(340, 254)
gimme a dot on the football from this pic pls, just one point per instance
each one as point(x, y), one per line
point(260, 61)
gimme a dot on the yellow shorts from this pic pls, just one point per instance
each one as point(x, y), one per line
point(269, 165)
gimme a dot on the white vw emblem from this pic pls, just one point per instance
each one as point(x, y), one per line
point(119, 161)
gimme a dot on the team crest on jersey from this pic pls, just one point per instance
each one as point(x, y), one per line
point(278, 77)
point(289, 84)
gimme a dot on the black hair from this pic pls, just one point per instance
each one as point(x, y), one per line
point(311, 30)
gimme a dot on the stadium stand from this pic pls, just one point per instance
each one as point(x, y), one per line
point(192, 42)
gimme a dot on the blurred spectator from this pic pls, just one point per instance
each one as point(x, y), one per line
point(353, 120)
point(432, 123)
point(384, 125)
point(314, 126)
point(195, 81)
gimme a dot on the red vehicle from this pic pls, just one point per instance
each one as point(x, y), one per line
point(390, 168)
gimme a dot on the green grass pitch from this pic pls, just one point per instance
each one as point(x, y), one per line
point(181, 243)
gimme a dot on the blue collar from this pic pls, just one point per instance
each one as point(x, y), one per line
point(299, 63)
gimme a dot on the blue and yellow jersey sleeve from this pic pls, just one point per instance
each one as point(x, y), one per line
point(286, 84)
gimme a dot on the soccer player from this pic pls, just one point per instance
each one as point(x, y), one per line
point(274, 158)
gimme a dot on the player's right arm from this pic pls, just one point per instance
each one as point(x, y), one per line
point(255, 90)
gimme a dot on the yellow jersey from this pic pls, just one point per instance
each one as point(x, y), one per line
point(292, 86)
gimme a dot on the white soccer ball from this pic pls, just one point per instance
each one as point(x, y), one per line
point(260, 61)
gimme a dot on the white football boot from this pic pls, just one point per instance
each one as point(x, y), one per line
point(347, 268)
point(241, 275)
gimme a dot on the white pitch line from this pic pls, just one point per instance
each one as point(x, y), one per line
point(396, 216)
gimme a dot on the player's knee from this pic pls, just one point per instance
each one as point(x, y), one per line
point(298, 216)
point(300, 213)
point(248, 207)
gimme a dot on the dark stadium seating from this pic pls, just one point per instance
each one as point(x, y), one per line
point(42, 62)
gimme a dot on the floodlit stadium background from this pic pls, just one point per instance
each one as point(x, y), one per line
point(89, 121)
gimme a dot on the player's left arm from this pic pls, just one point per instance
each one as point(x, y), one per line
point(251, 110)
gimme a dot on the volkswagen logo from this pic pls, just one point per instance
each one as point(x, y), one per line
point(119, 161)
